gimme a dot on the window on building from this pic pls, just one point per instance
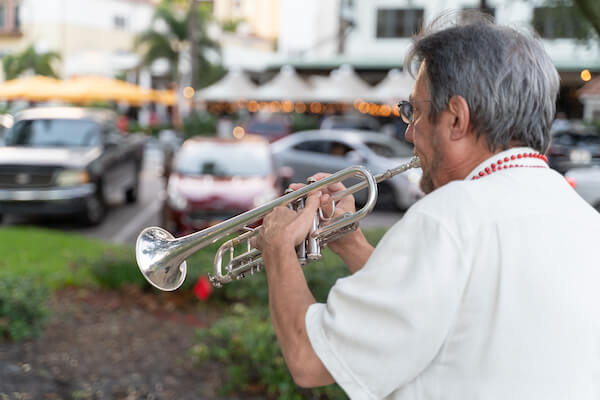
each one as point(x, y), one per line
point(120, 22)
point(17, 22)
point(10, 19)
point(558, 23)
point(397, 23)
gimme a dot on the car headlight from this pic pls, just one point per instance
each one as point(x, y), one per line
point(264, 198)
point(176, 200)
point(580, 156)
point(72, 177)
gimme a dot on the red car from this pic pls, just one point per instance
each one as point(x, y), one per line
point(214, 179)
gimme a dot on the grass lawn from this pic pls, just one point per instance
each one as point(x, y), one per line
point(58, 259)
point(55, 258)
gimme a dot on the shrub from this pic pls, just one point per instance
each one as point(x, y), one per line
point(245, 342)
point(22, 307)
point(199, 123)
point(303, 122)
point(116, 269)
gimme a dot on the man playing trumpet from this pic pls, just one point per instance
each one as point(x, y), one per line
point(488, 286)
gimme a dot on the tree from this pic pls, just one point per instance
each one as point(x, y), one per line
point(30, 61)
point(580, 17)
point(590, 10)
point(180, 31)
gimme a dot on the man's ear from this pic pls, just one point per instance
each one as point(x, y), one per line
point(460, 117)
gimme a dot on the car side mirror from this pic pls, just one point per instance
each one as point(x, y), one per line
point(355, 157)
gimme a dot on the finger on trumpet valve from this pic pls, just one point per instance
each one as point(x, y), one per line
point(313, 248)
point(301, 248)
point(322, 215)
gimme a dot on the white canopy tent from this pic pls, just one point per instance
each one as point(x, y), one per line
point(234, 86)
point(394, 87)
point(286, 85)
point(342, 86)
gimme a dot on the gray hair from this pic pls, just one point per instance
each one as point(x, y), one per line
point(505, 76)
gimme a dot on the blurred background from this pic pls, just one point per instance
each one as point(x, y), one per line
point(120, 114)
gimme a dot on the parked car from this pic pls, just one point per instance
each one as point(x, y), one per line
point(214, 179)
point(351, 121)
point(586, 181)
point(271, 127)
point(574, 149)
point(67, 161)
point(309, 152)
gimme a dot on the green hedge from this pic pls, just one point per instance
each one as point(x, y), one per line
point(245, 343)
point(23, 307)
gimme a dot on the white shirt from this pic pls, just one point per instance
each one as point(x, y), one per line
point(485, 289)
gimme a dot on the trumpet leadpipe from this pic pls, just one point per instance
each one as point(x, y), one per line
point(412, 163)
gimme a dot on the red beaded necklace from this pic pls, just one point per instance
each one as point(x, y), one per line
point(507, 162)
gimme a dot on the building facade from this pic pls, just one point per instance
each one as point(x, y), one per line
point(374, 36)
point(92, 36)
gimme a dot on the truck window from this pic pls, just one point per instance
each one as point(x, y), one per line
point(54, 133)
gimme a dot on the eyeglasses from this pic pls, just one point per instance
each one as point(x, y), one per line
point(406, 110)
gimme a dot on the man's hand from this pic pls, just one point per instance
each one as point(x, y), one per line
point(284, 227)
point(353, 248)
point(345, 205)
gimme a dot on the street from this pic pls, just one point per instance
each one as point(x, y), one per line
point(124, 222)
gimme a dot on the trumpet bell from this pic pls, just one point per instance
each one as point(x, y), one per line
point(152, 251)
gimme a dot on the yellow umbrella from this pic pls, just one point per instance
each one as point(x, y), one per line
point(32, 88)
point(96, 88)
point(166, 97)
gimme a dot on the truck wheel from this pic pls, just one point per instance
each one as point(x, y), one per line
point(95, 210)
point(131, 194)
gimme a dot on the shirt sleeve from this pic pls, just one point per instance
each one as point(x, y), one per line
point(382, 326)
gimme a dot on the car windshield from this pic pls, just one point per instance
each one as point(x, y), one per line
point(54, 133)
point(390, 150)
point(224, 160)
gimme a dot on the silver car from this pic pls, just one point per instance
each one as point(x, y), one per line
point(586, 182)
point(308, 152)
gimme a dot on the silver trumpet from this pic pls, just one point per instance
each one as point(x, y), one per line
point(161, 257)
